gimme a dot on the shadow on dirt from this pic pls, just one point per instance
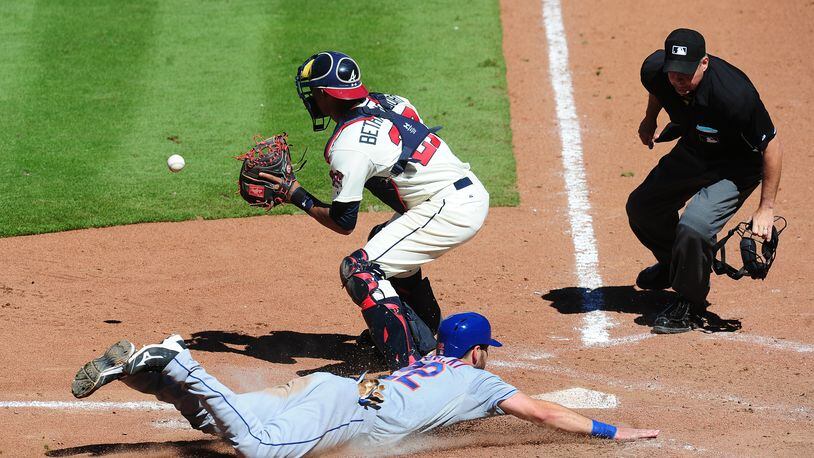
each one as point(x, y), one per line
point(627, 299)
point(283, 347)
point(195, 448)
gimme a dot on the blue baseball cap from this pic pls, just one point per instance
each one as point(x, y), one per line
point(458, 333)
point(335, 73)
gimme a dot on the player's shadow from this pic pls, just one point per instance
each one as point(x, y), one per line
point(627, 299)
point(284, 347)
point(192, 448)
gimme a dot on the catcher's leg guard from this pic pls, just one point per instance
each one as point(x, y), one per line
point(390, 331)
point(417, 292)
point(383, 311)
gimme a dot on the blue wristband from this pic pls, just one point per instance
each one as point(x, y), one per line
point(603, 430)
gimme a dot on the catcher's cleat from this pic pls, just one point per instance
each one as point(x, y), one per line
point(678, 317)
point(655, 277)
point(102, 370)
point(155, 357)
point(364, 340)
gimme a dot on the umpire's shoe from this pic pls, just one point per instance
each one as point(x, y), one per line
point(680, 316)
point(155, 357)
point(654, 277)
point(102, 370)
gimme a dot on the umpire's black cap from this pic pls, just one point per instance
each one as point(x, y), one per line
point(683, 50)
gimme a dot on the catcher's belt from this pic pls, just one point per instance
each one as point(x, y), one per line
point(462, 183)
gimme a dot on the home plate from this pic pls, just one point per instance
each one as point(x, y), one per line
point(580, 398)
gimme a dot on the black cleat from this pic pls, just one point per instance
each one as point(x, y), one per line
point(102, 370)
point(364, 340)
point(679, 317)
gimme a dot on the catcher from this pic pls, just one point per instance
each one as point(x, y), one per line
point(380, 143)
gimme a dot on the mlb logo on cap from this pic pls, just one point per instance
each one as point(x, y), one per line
point(683, 51)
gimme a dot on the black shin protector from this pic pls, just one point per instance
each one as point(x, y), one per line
point(398, 332)
point(417, 293)
point(391, 332)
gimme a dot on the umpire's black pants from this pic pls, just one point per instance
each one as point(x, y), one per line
point(718, 186)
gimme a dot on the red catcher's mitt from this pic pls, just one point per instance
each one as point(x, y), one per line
point(269, 156)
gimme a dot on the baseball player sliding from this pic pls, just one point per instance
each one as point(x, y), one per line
point(322, 411)
point(380, 143)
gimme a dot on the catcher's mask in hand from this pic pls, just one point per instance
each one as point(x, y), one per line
point(756, 261)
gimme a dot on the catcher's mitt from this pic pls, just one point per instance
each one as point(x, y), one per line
point(269, 156)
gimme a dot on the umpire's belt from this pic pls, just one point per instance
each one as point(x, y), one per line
point(456, 186)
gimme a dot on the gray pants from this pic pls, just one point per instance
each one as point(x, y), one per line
point(310, 414)
point(718, 186)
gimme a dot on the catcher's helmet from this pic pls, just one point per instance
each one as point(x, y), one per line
point(458, 333)
point(336, 73)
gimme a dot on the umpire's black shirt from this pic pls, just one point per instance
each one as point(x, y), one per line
point(724, 116)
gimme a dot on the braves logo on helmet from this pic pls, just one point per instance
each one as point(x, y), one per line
point(348, 71)
point(336, 74)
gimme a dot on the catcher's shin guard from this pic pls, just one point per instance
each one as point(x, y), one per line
point(390, 331)
point(383, 311)
point(417, 292)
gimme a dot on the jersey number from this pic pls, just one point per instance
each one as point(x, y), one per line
point(425, 370)
point(424, 153)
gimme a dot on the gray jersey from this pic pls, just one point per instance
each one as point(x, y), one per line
point(321, 411)
point(436, 391)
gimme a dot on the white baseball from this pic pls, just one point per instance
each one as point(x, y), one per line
point(175, 163)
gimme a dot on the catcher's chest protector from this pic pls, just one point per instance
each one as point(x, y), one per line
point(412, 131)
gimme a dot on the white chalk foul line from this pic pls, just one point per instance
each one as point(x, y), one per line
point(770, 342)
point(85, 405)
point(595, 323)
point(624, 340)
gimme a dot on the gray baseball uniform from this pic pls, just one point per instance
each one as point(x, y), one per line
point(322, 411)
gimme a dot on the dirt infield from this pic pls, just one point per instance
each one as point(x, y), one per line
point(65, 297)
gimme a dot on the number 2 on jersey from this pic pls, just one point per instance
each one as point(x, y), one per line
point(419, 370)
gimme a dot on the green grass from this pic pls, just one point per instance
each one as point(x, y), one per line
point(96, 94)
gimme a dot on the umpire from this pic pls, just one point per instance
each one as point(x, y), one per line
point(727, 145)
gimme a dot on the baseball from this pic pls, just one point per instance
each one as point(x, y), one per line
point(175, 163)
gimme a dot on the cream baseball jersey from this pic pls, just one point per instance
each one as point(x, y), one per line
point(369, 146)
